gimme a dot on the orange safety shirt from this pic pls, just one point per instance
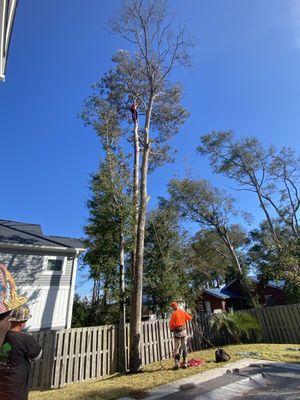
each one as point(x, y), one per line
point(179, 318)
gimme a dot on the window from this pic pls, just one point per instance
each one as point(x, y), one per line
point(207, 307)
point(54, 265)
point(269, 300)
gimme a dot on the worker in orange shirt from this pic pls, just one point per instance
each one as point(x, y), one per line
point(178, 321)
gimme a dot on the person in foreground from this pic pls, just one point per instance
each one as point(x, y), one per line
point(178, 321)
point(16, 354)
point(4, 325)
point(8, 300)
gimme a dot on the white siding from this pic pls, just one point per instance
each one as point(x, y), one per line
point(27, 267)
point(48, 306)
point(48, 293)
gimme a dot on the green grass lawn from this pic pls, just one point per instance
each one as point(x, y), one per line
point(158, 374)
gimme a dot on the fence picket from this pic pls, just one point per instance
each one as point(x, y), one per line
point(93, 353)
point(39, 337)
point(82, 356)
point(47, 362)
point(104, 349)
point(59, 341)
point(78, 336)
point(296, 314)
point(291, 328)
point(65, 359)
point(159, 339)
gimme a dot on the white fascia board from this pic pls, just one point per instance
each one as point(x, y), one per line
point(72, 292)
point(2, 36)
point(7, 14)
point(36, 247)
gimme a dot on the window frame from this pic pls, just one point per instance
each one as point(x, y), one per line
point(63, 267)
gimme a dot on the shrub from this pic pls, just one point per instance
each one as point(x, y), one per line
point(238, 325)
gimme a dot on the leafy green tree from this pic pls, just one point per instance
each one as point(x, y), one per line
point(107, 238)
point(208, 259)
point(245, 161)
point(80, 311)
point(272, 175)
point(110, 215)
point(109, 218)
point(279, 261)
point(165, 266)
point(212, 209)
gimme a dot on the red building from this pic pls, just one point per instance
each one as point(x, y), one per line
point(233, 296)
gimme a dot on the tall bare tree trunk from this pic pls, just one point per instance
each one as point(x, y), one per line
point(136, 331)
point(122, 310)
point(136, 175)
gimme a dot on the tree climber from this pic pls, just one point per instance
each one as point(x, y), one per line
point(134, 112)
point(179, 318)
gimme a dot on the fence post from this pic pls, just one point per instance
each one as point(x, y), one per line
point(159, 337)
point(48, 360)
point(121, 346)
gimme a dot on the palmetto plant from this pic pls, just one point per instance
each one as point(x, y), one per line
point(238, 325)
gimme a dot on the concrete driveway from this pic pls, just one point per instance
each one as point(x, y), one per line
point(263, 382)
point(245, 379)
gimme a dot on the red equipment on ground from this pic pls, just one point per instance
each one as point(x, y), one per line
point(195, 362)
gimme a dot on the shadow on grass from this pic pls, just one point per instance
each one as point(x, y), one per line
point(106, 394)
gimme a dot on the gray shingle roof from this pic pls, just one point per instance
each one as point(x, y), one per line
point(67, 241)
point(275, 284)
point(32, 228)
point(12, 232)
point(221, 293)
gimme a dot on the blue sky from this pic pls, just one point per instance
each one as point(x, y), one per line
point(245, 77)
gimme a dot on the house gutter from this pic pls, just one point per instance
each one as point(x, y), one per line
point(72, 289)
point(17, 246)
point(8, 16)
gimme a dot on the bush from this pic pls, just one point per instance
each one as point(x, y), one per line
point(238, 325)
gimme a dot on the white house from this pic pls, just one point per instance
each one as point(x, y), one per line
point(7, 14)
point(44, 268)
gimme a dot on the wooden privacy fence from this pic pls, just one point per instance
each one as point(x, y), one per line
point(280, 324)
point(82, 354)
point(75, 355)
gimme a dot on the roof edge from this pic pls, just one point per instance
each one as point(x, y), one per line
point(72, 250)
point(215, 295)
